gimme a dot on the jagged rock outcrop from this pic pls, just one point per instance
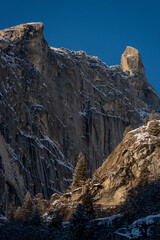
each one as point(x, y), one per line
point(55, 103)
point(134, 161)
point(131, 61)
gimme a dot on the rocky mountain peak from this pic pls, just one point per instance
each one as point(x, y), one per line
point(22, 33)
point(25, 41)
point(131, 61)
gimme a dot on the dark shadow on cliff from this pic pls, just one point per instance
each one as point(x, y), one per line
point(141, 201)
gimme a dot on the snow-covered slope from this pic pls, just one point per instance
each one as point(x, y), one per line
point(143, 228)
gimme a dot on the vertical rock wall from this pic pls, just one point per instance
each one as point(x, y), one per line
point(55, 103)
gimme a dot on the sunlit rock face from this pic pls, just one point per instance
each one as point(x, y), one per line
point(55, 103)
point(131, 61)
point(134, 161)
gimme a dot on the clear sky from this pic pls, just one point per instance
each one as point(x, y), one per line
point(99, 27)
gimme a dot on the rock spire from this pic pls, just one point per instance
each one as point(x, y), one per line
point(131, 61)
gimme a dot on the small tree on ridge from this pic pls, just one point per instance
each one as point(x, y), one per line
point(153, 116)
point(80, 173)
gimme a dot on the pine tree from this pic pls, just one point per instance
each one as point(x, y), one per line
point(153, 116)
point(36, 218)
point(40, 203)
point(80, 174)
point(145, 121)
point(154, 128)
point(27, 207)
point(78, 224)
point(18, 215)
point(95, 178)
point(128, 129)
point(11, 211)
point(87, 202)
point(56, 221)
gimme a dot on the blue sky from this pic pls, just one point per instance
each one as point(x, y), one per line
point(99, 27)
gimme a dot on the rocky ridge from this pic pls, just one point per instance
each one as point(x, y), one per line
point(56, 103)
point(134, 162)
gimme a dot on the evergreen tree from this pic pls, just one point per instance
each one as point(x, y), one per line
point(95, 178)
point(36, 218)
point(87, 202)
point(78, 224)
point(11, 211)
point(153, 116)
point(141, 201)
point(154, 128)
point(27, 207)
point(80, 174)
point(56, 221)
point(128, 129)
point(145, 121)
point(18, 216)
point(40, 203)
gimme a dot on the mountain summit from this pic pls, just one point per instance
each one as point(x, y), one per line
point(131, 61)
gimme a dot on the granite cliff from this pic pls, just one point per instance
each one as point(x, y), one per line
point(133, 163)
point(55, 103)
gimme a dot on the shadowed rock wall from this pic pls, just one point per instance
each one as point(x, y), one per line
point(55, 103)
